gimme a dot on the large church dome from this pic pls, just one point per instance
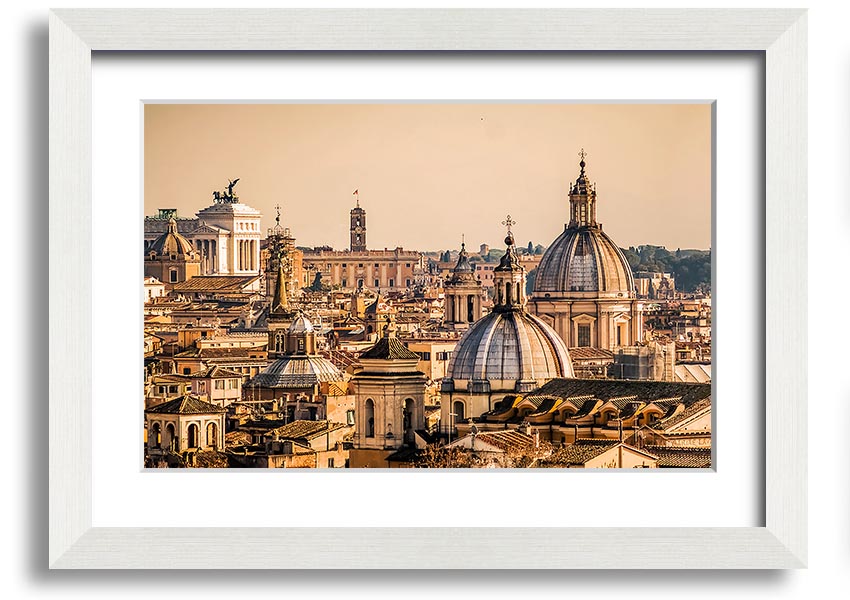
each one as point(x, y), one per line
point(510, 346)
point(583, 258)
point(509, 349)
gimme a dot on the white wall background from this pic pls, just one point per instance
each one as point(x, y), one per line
point(24, 39)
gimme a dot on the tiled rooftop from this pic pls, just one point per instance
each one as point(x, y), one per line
point(389, 348)
point(215, 283)
point(683, 457)
point(295, 430)
point(581, 451)
point(507, 440)
point(186, 405)
point(609, 389)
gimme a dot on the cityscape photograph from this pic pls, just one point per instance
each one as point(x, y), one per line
point(441, 285)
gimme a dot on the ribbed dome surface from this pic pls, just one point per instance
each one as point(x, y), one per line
point(301, 324)
point(171, 242)
point(584, 259)
point(510, 345)
point(296, 371)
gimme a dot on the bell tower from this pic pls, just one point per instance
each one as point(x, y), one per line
point(358, 226)
point(463, 294)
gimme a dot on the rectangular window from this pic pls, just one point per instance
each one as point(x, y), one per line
point(377, 283)
point(344, 283)
point(584, 335)
point(349, 417)
point(219, 384)
point(392, 282)
point(377, 266)
point(330, 463)
point(407, 282)
point(172, 276)
point(172, 389)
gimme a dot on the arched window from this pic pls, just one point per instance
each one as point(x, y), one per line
point(408, 414)
point(370, 418)
point(192, 435)
point(212, 435)
point(155, 436)
point(170, 438)
point(458, 410)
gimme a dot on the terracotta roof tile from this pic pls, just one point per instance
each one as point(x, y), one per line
point(683, 457)
point(389, 348)
point(186, 405)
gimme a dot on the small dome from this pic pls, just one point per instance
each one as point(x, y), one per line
point(584, 259)
point(296, 371)
point(171, 242)
point(512, 345)
point(301, 324)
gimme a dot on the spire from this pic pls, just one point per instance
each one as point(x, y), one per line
point(463, 265)
point(280, 303)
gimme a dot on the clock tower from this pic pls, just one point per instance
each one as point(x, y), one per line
point(358, 227)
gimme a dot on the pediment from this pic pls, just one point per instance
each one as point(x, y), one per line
point(204, 228)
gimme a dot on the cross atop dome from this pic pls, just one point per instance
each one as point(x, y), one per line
point(509, 222)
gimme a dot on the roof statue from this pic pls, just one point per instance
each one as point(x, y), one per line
point(228, 196)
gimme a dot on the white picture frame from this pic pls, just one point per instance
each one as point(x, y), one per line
point(76, 33)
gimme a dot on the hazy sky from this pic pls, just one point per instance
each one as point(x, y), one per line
point(428, 173)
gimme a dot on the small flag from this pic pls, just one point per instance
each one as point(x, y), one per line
point(356, 192)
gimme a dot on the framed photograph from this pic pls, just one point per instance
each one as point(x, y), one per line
point(152, 136)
